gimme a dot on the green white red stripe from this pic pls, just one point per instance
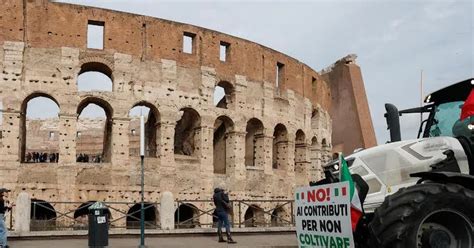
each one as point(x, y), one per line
point(356, 206)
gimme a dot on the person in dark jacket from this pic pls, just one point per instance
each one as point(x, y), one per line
point(222, 203)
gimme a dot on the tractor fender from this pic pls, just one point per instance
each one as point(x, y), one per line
point(445, 177)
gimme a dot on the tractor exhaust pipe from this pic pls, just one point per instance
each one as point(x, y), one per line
point(393, 122)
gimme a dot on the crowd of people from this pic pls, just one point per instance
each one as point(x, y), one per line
point(41, 157)
point(44, 157)
point(84, 158)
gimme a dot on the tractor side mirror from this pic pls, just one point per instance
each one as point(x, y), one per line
point(393, 122)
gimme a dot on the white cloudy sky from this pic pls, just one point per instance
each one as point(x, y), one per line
point(394, 40)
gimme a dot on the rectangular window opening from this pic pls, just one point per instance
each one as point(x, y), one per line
point(51, 135)
point(95, 34)
point(188, 42)
point(78, 134)
point(224, 51)
point(279, 74)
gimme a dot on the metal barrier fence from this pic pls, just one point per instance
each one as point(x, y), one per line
point(276, 213)
point(188, 214)
point(74, 215)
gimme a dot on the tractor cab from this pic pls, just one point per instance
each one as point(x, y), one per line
point(450, 113)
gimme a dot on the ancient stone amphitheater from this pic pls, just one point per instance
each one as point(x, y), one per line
point(269, 134)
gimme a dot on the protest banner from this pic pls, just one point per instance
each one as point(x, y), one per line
point(322, 216)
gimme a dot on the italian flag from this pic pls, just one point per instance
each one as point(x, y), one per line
point(356, 207)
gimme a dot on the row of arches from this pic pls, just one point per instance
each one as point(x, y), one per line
point(44, 216)
point(186, 138)
point(98, 76)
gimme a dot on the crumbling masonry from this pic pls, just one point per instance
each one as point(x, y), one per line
point(268, 135)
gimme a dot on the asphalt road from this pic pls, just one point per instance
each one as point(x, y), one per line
point(253, 240)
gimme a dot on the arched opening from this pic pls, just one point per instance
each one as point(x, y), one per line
point(186, 216)
point(94, 131)
point(300, 151)
point(279, 217)
point(324, 143)
point(94, 76)
point(222, 126)
point(81, 215)
point(254, 138)
point(151, 129)
point(254, 216)
point(280, 147)
point(42, 216)
point(134, 215)
point(39, 130)
point(223, 94)
point(185, 133)
point(315, 119)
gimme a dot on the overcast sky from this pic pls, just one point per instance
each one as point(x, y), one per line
point(394, 40)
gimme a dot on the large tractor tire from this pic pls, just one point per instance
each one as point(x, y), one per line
point(425, 215)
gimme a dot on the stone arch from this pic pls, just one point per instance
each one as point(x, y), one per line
point(151, 131)
point(280, 147)
point(221, 142)
point(134, 215)
point(324, 143)
point(254, 216)
point(97, 69)
point(95, 154)
point(254, 143)
point(186, 216)
point(81, 215)
point(279, 216)
point(186, 130)
point(300, 154)
point(23, 121)
point(226, 89)
point(42, 215)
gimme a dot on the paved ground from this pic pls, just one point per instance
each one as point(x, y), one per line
point(253, 240)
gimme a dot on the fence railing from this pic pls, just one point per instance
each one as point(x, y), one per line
point(258, 213)
point(74, 215)
point(188, 214)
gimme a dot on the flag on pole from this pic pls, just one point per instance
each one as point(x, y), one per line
point(356, 206)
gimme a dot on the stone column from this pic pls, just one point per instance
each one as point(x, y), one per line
point(22, 213)
point(208, 82)
point(239, 93)
point(67, 138)
point(165, 139)
point(11, 136)
point(268, 151)
point(120, 141)
point(167, 211)
point(235, 154)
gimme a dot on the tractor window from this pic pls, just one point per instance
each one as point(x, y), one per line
point(446, 115)
point(391, 168)
point(374, 185)
point(359, 170)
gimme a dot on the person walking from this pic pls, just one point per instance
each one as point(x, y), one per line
point(4, 207)
point(222, 203)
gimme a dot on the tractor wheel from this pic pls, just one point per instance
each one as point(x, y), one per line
point(425, 215)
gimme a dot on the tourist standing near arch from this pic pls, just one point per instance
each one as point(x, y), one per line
point(222, 203)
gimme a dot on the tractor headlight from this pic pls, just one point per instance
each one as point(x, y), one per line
point(470, 126)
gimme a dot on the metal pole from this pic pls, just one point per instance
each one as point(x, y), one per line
point(421, 95)
point(142, 158)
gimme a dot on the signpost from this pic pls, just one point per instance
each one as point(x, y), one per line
point(323, 216)
point(142, 158)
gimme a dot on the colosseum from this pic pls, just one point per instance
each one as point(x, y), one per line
point(270, 132)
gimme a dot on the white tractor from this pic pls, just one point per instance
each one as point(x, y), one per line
point(420, 192)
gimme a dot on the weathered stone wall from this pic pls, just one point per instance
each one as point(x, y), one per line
point(43, 52)
point(352, 124)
